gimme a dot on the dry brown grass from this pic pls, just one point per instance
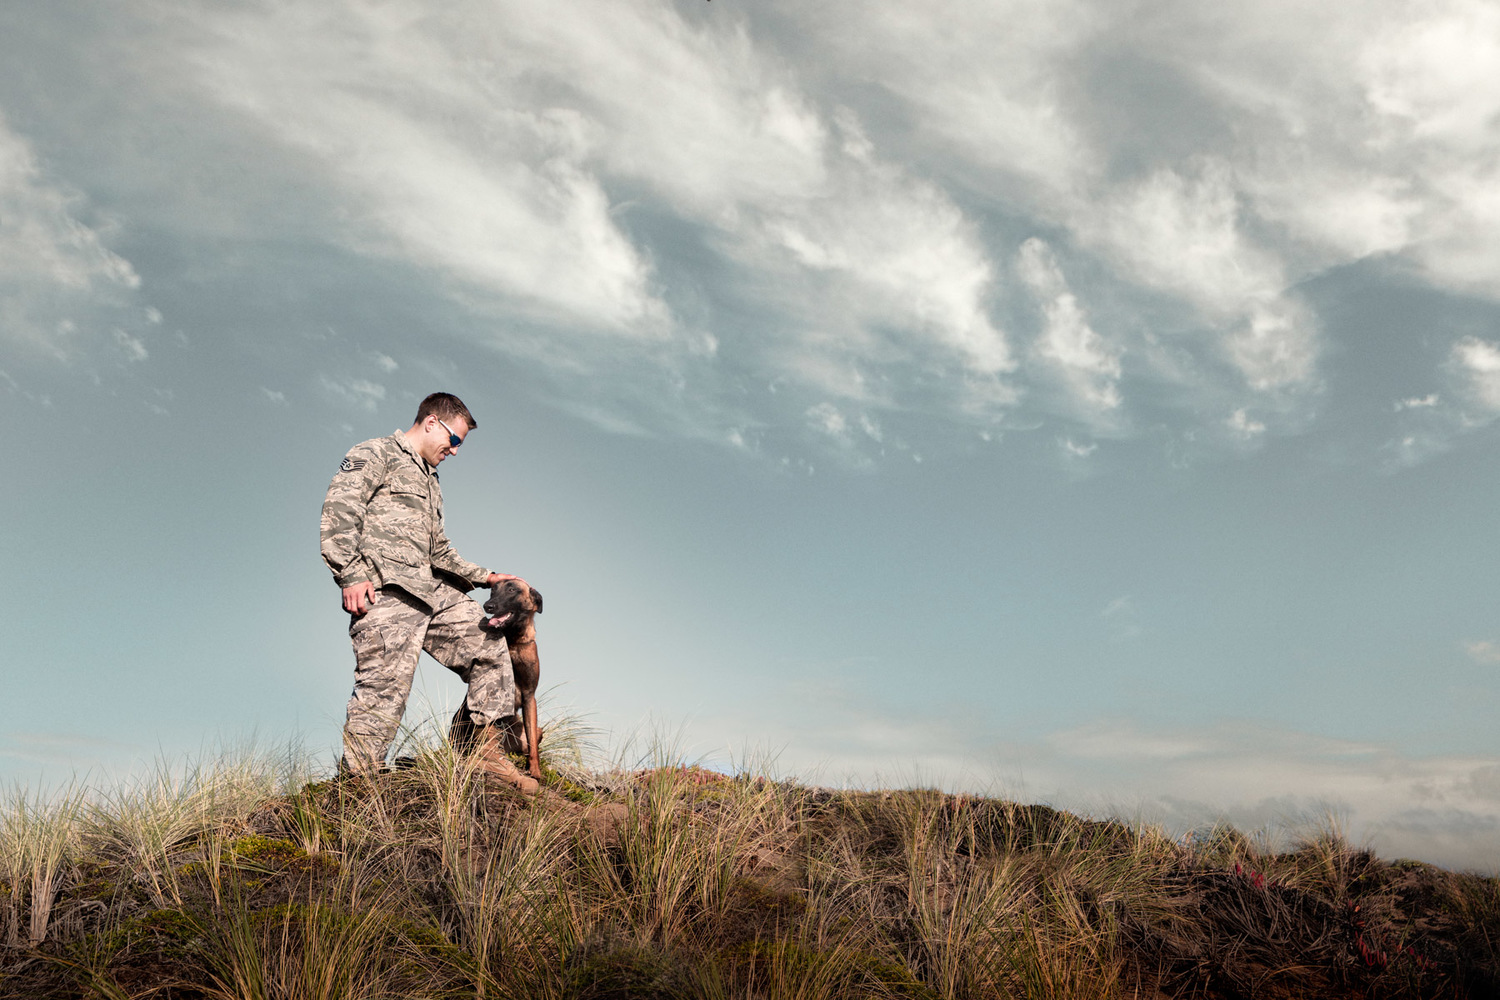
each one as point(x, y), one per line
point(243, 880)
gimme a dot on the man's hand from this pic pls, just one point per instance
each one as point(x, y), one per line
point(358, 598)
point(495, 578)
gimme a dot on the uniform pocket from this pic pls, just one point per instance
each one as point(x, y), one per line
point(369, 645)
point(408, 489)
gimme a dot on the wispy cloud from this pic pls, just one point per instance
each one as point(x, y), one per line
point(131, 347)
point(1087, 365)
point(436, 162)
point(1245, 427)
point(1076, 449)
point(352, 393)
point(968, 217)
point(501, 179)
point(58, 278)
point(1121, 618)
point(1483, 651)
point(1432, 424)
point(1418, 402)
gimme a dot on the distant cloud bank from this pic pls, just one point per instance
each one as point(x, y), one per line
point(1443, 808)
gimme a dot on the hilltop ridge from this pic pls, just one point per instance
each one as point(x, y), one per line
point(673, 881)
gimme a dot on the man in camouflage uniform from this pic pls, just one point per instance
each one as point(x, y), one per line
point(406, 589)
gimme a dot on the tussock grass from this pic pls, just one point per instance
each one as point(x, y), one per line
point(239, 877)
point(37, 839)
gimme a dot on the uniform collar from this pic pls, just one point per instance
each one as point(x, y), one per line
point(405, 445)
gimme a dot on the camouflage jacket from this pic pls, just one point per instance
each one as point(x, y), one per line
point(383, 522)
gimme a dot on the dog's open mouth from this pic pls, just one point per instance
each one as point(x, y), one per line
point(499, 620)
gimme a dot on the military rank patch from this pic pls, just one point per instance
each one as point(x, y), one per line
point(351, 465)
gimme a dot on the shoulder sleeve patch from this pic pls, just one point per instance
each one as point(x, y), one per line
point(351, 465)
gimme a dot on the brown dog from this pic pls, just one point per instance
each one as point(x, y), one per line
point(512, 609)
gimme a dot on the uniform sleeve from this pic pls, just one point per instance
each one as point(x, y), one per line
point(360, 475)
point(446, 559)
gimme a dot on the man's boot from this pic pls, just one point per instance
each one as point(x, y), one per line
point(364, 755)
point(493, 762)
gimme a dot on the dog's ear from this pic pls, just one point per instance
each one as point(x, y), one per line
point(536, 596)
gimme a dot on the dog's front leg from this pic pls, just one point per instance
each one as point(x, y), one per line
point(533, 734)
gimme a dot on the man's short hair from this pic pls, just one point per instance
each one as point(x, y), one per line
point(445, 406)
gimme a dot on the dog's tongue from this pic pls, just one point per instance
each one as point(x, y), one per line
point(500, 620)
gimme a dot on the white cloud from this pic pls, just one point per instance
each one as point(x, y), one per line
point(900, 255)
point(1433, 74)
point(1178, 229)
point(56, 273)
point(1438, 70)
point(1011, 99)
point(1414, 447)
point(1276, 347)
point(1428, 401)
point(1281, 140)
point(1242, 426)
point(132, 347)
point(1430, 425)
point(818, 195)
point(1087, 364)
point(1477, 364)
point(855, 263)
point(855, 438)
point(1074, 449)
point(987, 79)
point(439, 158)
point(1368, 128)
point(499, 176)
point(1004, 90)
point(1345, 213)
point(355, 393)
point(826, 418)
point(1483, 651)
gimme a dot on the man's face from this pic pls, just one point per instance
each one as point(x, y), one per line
point(434, 444)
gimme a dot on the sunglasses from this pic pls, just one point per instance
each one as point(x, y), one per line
point(453, 439)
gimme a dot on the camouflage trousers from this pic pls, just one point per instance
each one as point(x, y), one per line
point(389, 638)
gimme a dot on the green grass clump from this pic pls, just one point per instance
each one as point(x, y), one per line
point(248, 879)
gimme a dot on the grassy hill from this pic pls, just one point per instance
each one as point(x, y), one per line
point(244, 880)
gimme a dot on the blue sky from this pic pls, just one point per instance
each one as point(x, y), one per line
point(1084, 402)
